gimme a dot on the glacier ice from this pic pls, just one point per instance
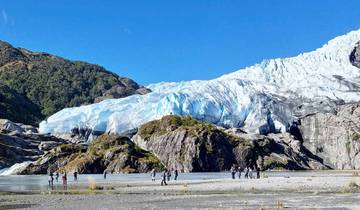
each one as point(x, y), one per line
point(276, 91)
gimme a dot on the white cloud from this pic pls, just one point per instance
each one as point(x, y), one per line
point(4, 16)
point(127, 30)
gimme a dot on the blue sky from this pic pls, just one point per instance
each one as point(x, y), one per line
point(153, 41)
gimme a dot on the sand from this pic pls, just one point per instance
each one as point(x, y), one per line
point(317, 192)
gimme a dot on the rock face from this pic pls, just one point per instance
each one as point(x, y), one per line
point(355, 56)
point(335, 137)
point(47, 83)
point(19, 143)
point(186, 144)
point(193, 146)
point(112, 153)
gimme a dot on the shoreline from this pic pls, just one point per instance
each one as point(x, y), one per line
point(325, 192)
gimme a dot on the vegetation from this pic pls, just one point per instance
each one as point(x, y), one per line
point(173, 122)
point(48, 83)
point(275, 163)
point(16, 107)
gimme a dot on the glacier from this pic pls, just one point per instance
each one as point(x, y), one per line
point(271, 94)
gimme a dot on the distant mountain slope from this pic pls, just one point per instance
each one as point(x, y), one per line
point(17, 107)
point(52, 83)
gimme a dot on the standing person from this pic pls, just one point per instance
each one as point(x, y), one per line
point(233, 171)
point(163, 181)
point(168, 174)
point(246, 173)
point(75, 176)
point(257, 173)
point(105, 172)
point(176, 173)
point(64, 180)
point(250, 173)
point(240, 170)
point(153, 174)
point(57, 176)
point(51, 179)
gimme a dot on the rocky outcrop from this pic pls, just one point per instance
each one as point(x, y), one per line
point(334, 136)
point(112, 153)
point(275, 151)
point(186, 144)
point(355, 56)
point(19, 143)
point(7, 126)
point(193, 146)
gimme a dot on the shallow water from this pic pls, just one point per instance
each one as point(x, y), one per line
point(40, 182)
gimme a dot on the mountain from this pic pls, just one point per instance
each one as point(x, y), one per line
point(35, 85)
point(263, 98)
point(17, 107)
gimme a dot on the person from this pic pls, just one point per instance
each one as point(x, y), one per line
point(57, 176)
point(233, 171)
point(105, 172)
point(163, 181)
point(250, 173)
point(51, 179)
point(64, 180)
point(257, 173)
point(75, 176)
point(168, 174)
point(153, 174)
point(246, 172)
point(176, 173)
point(240, 170)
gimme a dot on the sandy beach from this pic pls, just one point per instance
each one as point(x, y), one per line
point(316, 191)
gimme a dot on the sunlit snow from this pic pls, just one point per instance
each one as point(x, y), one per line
point(271, 91)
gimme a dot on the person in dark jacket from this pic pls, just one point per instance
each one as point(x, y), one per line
point(233, 172)
point(57, 176)
point(239, 171)
point(257, 173)
point(104, 174)
point(164, 175)
point(75, 176)
point(176, 173)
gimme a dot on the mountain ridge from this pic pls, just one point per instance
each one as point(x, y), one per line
point(53, 83)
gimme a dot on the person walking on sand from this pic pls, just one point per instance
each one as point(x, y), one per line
point(176, 173)
point(57, 176)
point(51, 179)
point(105, 172)
point(75, 176)
point(233, 171)
point(246, 173)
point(250, 173)
point(239, 171)
point(64, 180)
point(168, 174)
point(153, 174)
point(164, 175)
